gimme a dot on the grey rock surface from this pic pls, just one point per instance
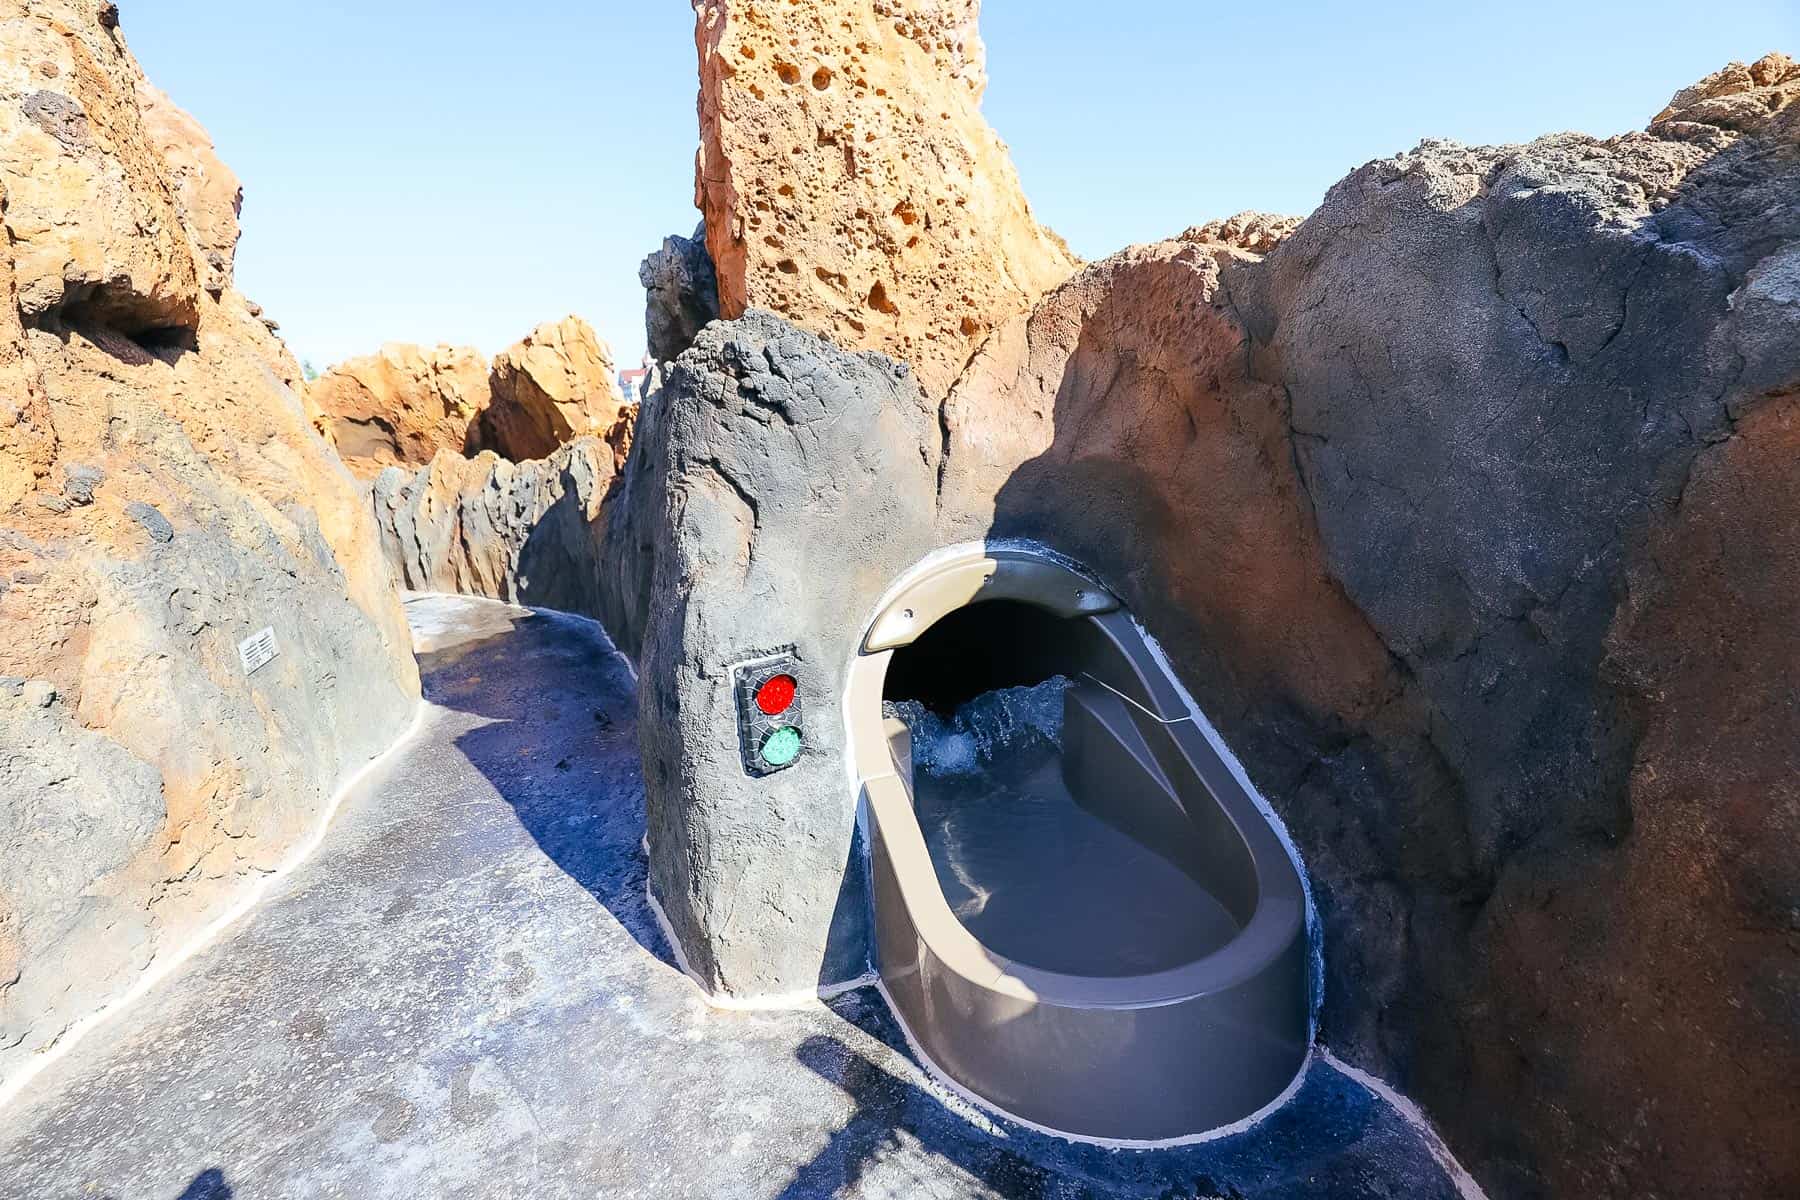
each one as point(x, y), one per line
point(1532, 358)
point(121, 840)
point(464, 994)
point(527, 531)
point(799, 480)
point(77, 807)
point(681, 294)
point(1503, 367)
point(630, 524)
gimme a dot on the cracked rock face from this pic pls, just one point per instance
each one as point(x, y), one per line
point(1467, 513)
point(850, 184)
point(1504, 370)
point(162, 498)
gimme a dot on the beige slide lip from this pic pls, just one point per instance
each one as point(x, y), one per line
point(1118, 1059)
point(991, 575)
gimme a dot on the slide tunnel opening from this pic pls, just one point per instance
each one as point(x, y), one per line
point(981, 648)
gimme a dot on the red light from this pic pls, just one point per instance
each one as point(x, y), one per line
point(776, 694)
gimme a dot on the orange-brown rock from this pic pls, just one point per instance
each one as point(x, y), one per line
point(554, 386)
point(1686, 976)
point(207, 193)
point(162, 499)
point(1257, 232)
point(850, 183)
point(1116, 415)
point(400, 406)
point(90, 206)
point(27, 436)
point(1757, 99)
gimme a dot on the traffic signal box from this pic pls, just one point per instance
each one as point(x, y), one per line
point(771, 730)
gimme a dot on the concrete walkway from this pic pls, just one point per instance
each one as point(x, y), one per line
point(462, 994)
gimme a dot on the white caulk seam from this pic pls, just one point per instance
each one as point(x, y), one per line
point(164, 966)
point(1465, 1184)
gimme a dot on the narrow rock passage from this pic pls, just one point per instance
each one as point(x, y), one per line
point(463, 994)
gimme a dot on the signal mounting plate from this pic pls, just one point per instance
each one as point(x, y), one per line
point(763, 746)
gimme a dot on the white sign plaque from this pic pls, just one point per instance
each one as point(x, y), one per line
point(258, 650)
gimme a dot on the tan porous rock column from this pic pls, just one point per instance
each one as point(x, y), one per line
point(850, 183)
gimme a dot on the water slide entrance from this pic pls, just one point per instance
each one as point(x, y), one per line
point(1083, 918)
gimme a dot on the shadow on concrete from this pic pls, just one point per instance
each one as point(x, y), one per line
point(874, 1139)
point(207, 1185)
point(558, 743)
point(1332, 1140)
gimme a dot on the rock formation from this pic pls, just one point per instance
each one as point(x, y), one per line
point(632, 521)
point(207, 195)
point(404, 405)
point(401, 406)
point(681, 294)
point(1116, 423)
point(520, 519)
point(554, 386)
point(1467, 513)
point(99, 236)
point(747, 558)
point(526, 532)
point(162, 499)
point(849, 182)
point(1257, 232)
point(1738, 99)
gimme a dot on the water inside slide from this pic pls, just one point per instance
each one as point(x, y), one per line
point(1028, 870)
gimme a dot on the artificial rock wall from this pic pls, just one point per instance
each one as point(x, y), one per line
point(162, 498)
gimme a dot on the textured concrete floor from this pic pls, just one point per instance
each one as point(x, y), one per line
point(462, 994)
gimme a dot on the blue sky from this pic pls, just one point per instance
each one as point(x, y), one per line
point(455, 170)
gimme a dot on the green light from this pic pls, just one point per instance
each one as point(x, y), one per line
point(781, 747)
